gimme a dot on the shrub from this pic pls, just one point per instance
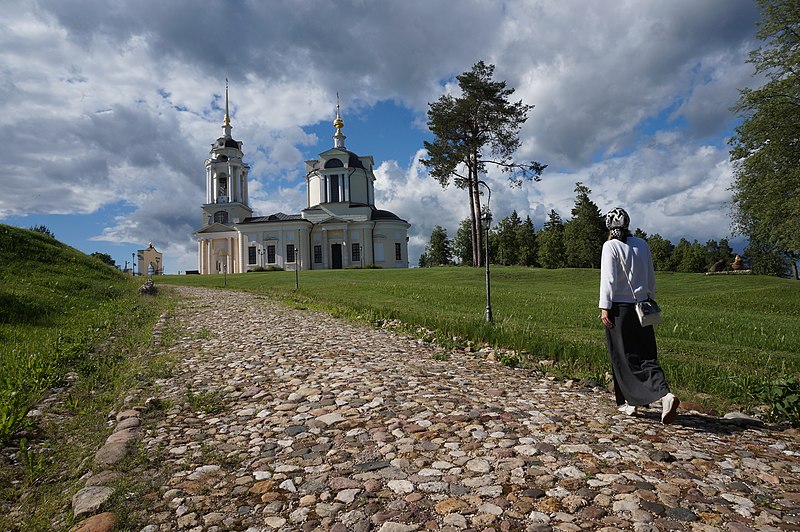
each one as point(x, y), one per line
point(782, 398)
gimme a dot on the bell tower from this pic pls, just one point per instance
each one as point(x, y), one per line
point(227, 200)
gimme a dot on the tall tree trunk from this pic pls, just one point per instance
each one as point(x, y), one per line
point(472, 219)
point(479, 222)
point(477, 208)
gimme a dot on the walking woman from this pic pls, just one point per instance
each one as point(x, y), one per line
point(627, 276)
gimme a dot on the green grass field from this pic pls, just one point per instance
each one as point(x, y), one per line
point(72, 329)
point(57, 306)
point(721, 336)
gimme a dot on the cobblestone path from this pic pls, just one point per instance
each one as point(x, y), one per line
point(314, 423)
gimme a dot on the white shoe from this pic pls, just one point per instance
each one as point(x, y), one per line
point(627, 409)
point(669, 408)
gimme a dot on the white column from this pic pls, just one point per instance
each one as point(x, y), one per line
point(200, 256)
point(242, 255)
point(233, 186)
point(326, 253)
point(346, 179)
point(234, 251)
point(243, 183)
point(230, 186)
point(345, 251)
point(208, 184)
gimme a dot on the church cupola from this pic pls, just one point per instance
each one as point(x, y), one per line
point(227, 198)
point(338, 123)
point(339, 178)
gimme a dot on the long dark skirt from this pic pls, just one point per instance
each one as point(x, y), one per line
point(638, 378)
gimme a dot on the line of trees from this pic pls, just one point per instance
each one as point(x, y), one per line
point(575, 243)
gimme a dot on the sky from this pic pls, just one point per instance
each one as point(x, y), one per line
point(109, 108)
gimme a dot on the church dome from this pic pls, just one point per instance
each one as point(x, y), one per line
point(226, 142)
point(354, 161)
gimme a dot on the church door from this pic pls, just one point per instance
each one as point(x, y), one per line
point(336, 256)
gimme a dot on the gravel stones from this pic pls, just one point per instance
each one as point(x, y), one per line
point(327, 425)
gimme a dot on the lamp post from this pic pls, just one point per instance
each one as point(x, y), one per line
point(158, 265)
point(133, 265)
point(296, 268)
point(486, 218)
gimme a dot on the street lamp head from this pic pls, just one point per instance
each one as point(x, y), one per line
point(487, 217)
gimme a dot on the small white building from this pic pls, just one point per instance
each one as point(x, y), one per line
point(339, 228)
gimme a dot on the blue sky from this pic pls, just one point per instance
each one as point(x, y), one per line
point(109, 110)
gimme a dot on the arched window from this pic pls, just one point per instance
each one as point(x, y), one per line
point(334, 163)
point(220, 217)
point(222, 186)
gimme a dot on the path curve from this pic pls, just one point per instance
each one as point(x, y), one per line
point(320, 424)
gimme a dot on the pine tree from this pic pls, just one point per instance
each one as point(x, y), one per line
point(506, 245)
point(438, 250)
point(423, 260)
point(526, 237)
point(585, 233)
point(550, 242)
point(462, 244)
point(481, 120)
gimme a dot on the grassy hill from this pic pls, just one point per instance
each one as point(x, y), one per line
point(723, 337)
point(72, 332)
point(56, 306)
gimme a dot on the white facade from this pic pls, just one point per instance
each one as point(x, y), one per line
point(339, 228)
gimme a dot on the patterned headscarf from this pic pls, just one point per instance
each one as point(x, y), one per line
point(617, 221)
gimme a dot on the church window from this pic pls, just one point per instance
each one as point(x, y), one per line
point(223, 158)
point(251, 255)
point(222, 187)
point(220, 217)
point(318, 254)
point(289, 252)
point(334, 179)
point(398, 252)
point(334, 163)
point(270, 254)
point(356, 252)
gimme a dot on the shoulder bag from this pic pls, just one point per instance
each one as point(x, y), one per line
point(648, 311)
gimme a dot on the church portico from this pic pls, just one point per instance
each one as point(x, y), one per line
point(339, 228)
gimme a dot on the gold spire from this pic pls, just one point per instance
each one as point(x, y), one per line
point(227, 115)
point(338, 123)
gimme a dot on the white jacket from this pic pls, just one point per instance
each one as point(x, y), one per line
point(638, 269)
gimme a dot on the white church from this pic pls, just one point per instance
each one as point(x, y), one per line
point(339, 228)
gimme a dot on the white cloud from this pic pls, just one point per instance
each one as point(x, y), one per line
point(118, 104)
